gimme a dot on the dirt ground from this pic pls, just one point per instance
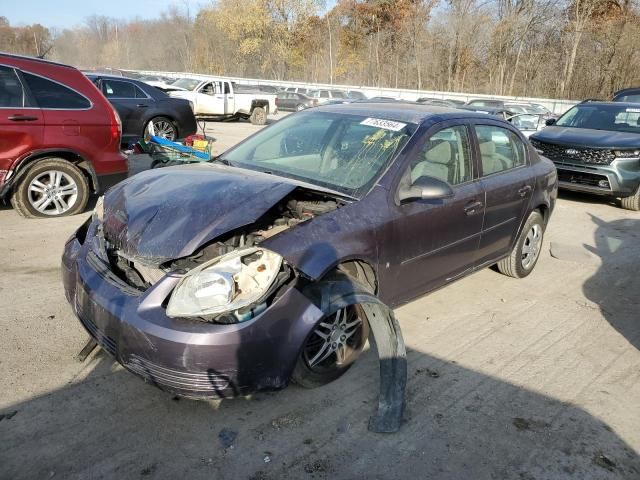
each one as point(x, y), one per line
point(508, 379)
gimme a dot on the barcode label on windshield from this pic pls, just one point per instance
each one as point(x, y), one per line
point(386, 124)
point(633, 110)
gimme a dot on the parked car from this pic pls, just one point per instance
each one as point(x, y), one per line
point(294, 101)
point(438, 102)
point(225, 99)
point(59, 138)
point(356, 95)
point(157, 81)
point(138, 104)
point(207, 285)
point(627, 95)
point(303, 90)
point(596, 149)
point(499, 112)
point(325, 95)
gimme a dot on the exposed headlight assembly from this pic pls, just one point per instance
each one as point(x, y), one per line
point(224, 284)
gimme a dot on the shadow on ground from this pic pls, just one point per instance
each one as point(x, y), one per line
point(459, 425)
point(616, 284)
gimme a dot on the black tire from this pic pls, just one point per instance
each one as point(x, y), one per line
point(518, 264)
point(164, 127)
point(300, 107)
point(329, 370)
point(632, 202)
point(258, 116)
point(24, 199)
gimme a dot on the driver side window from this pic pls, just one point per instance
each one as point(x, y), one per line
point(446, 155)
point(208, 89)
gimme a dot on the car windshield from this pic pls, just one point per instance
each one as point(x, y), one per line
point(615, 118)
point(186, 83)
point(344, 153)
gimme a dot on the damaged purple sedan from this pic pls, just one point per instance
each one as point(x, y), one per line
point(217, 279)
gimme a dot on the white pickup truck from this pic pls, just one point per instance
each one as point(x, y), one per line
point(222, 98)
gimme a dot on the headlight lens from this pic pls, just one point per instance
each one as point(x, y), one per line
point(98, 211)
point(225, 284)
point(627, 153)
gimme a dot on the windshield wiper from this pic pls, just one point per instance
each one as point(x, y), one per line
point(220, 159)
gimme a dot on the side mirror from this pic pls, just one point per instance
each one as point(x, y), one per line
point(550, 121)
point(425, 188)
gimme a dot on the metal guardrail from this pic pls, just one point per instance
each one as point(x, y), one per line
point(555, 105)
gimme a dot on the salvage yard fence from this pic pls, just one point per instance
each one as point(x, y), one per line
point(555, 105)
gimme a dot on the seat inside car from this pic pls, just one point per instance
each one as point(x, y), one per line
point(492, 161)
point(438, 163)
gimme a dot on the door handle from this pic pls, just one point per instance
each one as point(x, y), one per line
point(142, 105)
point(524, 190)
point(472, 208)
point(22, 118)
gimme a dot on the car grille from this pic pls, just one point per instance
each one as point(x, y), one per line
point(105, 341)
point(208, 382)
point(575, 155)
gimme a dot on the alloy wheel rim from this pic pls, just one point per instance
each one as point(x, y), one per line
point(336, 340)
point(164, 129)
point(53, 192)
point(531, 246)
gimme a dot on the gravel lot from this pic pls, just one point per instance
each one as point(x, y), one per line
point(525, 379)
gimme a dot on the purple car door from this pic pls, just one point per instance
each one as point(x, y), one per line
point(436, 241)
point(508, 183)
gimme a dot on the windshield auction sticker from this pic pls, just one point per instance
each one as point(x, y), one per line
point(386, 124)
point(633, 110)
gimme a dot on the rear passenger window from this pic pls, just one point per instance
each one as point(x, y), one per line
point(118, 89)
point(49, 94)
point(500, 149)
point(446, 156)
point(11, 92)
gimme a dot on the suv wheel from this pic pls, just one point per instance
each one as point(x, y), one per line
point(526, 251)
point(632, 202)
point(52, 187)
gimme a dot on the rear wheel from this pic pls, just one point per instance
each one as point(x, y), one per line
point(165, 128)
point(632, 202)
point(526, 251)
point(53, 187)
point(330, 350)
point(258, 116)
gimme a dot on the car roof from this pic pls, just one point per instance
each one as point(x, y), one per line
point(110, 77)
point(611, 104)
point(35, 59)
point(400, 111)
point(627, 90)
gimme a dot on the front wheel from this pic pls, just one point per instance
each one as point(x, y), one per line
point(333, 346)
point(526, 251)
point(632, 202)
point(300, 107)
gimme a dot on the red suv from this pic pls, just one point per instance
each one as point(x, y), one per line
point(59, 138)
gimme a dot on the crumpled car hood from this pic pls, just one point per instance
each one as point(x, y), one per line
point(167, 213)
point(587, 137)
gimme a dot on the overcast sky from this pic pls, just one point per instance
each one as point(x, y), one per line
point(68, 13)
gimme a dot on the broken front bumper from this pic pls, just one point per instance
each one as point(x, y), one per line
point(186, 357)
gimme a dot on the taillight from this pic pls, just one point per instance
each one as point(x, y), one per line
point(115, 128)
